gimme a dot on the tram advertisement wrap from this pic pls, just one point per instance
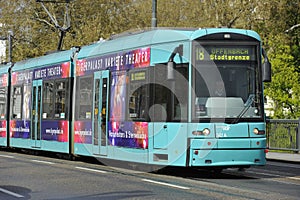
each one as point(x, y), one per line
point(128, 134)
point(50, 72)
point(2, 128)
point(20, 129)
point(83, 132)
point(121, 61)
point(55, 130)
point(3, 80)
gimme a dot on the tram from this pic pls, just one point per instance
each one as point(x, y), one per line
point(169, 97)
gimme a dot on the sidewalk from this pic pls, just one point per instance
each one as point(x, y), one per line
point(288, 157)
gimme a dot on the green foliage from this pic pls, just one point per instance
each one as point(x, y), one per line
point(284, 89)
point(276, 21)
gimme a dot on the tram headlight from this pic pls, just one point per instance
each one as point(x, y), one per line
point(256, 131)
point(203, 132)
point(206, 131)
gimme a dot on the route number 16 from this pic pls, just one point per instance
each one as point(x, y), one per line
point(199, 54)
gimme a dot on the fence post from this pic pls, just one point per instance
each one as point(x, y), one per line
point(298, 137)
point(268, 129)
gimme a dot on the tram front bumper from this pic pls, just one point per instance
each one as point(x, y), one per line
point(227, 152)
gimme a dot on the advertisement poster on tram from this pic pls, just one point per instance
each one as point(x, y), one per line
point(83, 132)
point(2, 128)
point(55, 130)
point(128, 134)
point(20, 129)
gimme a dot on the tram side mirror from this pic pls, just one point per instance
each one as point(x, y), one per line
point(180, 50)
point(266, 68)
point(266, 71)
point(170, 68)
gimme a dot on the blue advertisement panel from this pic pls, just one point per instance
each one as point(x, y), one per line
point(83, 132)
point(50, 72)
point(55, 130)
point(128, 134)
point(20, 129)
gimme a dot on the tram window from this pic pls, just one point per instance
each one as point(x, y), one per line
point(181, 93)
point(48, 96)
point(60, 108)
point(169, 99)
point(138, 104)
point(85, 98)
point(138, 94)
point(17, 102)
point(26, 101)
point(55, 98)
point(2, 103)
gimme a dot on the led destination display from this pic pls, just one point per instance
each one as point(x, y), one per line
point(225, 53)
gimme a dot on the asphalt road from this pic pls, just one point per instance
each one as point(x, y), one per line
point(24, 176)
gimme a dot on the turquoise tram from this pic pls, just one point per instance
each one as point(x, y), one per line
point(168, 97)
point(4, 78)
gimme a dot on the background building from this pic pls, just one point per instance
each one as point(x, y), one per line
point(2, 48)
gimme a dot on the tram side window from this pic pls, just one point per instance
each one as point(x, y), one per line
point(138, 96)
point(61, 99)
point(17, 102)
point(85, 98)
point(26, 101)
point(55, 98)
point(170, 97)
point(2, 103)
point(48, 96)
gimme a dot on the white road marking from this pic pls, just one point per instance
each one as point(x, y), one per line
point(11, 193)
point(284, 165)
point(166, 184)
point(45, 162)
point(265, 174)
point(279, 179)
point(92, 170)
point(6, 156)
point(294, 178)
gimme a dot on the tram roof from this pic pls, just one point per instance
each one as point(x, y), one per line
point(133, 40)
point(4, 68)
point(208, 31)
point(49, 59)
point(127, 41)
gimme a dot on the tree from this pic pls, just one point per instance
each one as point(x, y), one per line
point(35, 33)
point(284, 90)
point(277, 23)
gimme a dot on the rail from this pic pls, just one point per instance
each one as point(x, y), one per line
point(283, 134)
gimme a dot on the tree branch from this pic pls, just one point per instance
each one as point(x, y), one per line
point(292, 28)
point(45, 22)
point(229, 25)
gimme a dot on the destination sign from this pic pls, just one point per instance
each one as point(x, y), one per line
point(138, 76)
point(225, 53)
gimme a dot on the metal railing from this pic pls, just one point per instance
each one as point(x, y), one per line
point(283, 134)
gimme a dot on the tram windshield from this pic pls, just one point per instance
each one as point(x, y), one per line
point(226, 82)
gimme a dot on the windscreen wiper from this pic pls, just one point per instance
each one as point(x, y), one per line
point(247, 105)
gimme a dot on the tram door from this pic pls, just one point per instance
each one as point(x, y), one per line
point(36, 113)
point(100, 114)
